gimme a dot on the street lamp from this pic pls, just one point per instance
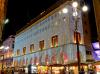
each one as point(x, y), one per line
point(65, 10)
point(75, 14)
point(76, 8)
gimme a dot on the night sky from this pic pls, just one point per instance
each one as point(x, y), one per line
point(92, 21)
point(20, 12)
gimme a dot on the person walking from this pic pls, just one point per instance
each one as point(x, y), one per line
point(82, 71)
point(12, 71)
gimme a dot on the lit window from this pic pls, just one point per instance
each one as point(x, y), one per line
point(31, 47)
point(41, 44)
point(77, 34)
point(18, 52)
point(55, 41)
point(24, 50)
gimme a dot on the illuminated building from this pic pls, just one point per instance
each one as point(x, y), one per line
point(49, 41)
point(7, 53)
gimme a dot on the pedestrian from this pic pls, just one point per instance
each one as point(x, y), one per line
point(82, 71)
point(12, 71)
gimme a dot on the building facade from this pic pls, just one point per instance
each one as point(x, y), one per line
point(96, 4)
point(87, 38)
point(3, 4)
point(7, 53)
point(49, 43)
point(96, 51)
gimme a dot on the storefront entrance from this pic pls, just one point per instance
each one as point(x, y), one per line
point(58, 70)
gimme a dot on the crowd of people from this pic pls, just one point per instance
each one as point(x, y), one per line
point(12, 71)
point(22, 71)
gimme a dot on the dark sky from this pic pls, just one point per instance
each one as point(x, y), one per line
point(92, 21)
point(20, 12)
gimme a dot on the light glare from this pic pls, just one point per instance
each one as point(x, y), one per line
point(84, 8)
point(7, 47)
point(65, 10)
point(97, 52)
point(1, 47)
point(75, 13)
point(98, 56)
point(6, 21)
point(75, 4)
point(96, 45)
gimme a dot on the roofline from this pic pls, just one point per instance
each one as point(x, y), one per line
point(42, 16)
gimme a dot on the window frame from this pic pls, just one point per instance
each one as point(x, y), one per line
point(24, 50)
point(54, 41)
point(31, 48)
point(18, 52)
point(41, 44)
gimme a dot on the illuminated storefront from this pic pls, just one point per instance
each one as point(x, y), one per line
point(43, 69)
point(97, 67)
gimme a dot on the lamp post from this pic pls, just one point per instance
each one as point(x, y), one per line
point(76, 8)
point(76, 19)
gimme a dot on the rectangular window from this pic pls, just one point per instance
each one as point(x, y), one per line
point(18, 52)
point(55, 41)
point(41, 44)
point(77, 35)
point(31, 48)
point(24, 50)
